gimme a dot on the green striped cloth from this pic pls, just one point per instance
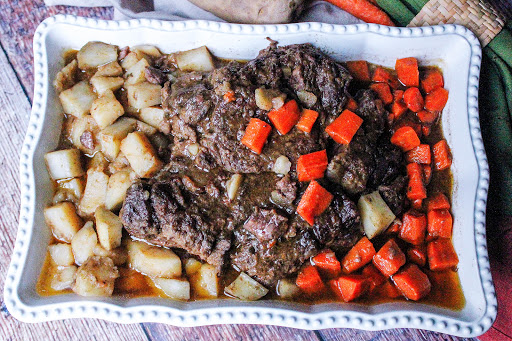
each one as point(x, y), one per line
point(495, 104)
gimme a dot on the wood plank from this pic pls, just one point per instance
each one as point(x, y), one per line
point(386, 335)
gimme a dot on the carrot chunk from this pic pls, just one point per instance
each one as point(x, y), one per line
point(427, 173)
point(312, 166)
point(359, 69)
point(309, 281)
point(432, 80)
point(229, 96)
point(418, 254)
point(349, 287)
point(389, 290)
point(412, 282)
point(351, 105)
point(327, 264)
point(307, 120)
point(256, 135)
point(407, 71)
point(383, 91)
point(381, 76)
point(394, 227)
point(416, 188)
point(442, 155)
point(414, 226)
point(440, 224)
point(374, 277)
point(426, 130)
point(344, 127)
point(405, 138)
point(436, 100)
point(314, 202)
point(285, 117)
point(398, 108)
point(420, 154)
point(441, 255)
point(364, 10)
point(417, 204)
point(413, 99)
point(427, 117)
point(389, 258)
point(438, 201)
point(361, 254)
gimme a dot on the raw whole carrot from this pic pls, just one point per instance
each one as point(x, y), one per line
point(360, 255)
point(405, 138)
point(351, 105)
point(432, 80)
point(229, 96)
point(256, 135)
point(349, 287)
point(389, 258)
point(383, 91)
point(389, 290)
point(307, 120)
point(327, 264)
point(381, 76)
point(436, 100)
point(359, 69)
point(427, 117)
point(412, 282)
point(314, 202)
point(413, 99)
point(418, 255)
point(440, 224)
point(442, 155)
point(416, 188)
point(309, 281)
point(407, 71)
point(420, 154)
point(344, 127)
point(441, 255)
point(438, 201)
point(364, 10)
point(312, 166)
point(285, 117)
point(394, 227)
point(398, 108)
point(426, 130)
point(373, 276)
point(427, 173)
point(414, 226)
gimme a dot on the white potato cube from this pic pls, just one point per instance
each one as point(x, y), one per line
point(98, 162)
point(198, 59)
point(145, 128)
point(111, 137)
point(84, 242)
point(109, 228)
point(375, 214)
point(141, 155)
point(118, 255)
point(153, 261)
point(77, 101)
point(287, 289)
point(143, 95)
point(177, 289)
point(205, 282)
point(148, 50)
point(65, 79)
point(118, 184)
point(106, 109)
point(95, 53)
point(96, 277)
point(61, 254)
point(282, 165)
point(246, 288)
point(153, 116)
point(76, 129)
point(131, 59)
point(63, 164)
point(63, 221)
point(95, 192)
point(136, 73)
point(63, 278)
point(103, 84)
point(76, 186)
point(111, 69)
point(233, 185)
point(192, 266)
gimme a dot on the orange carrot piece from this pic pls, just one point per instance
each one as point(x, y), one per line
point(381, 76)
point(414, 226)
point(349, 287)
point(438, 201)
point(432, 80)
point(412, 282)
point(426, 130)
point(405, 138)
point(442, 155)
point(418, 255)
point(427, 173)
point(427, 117)
point(441, 255)
point(420, 154)
point(413, 99)
point(436, 100)
point(416, 188)
point(394, 227)
point(344, 127)
point(364, 10)
point(417, 204)
point(307, 120)
point(440, 224)
point(361, 254)
point(312, 166)
point(256, 135)
point(389, 290)
point(229, 96)
point(383, 91)
point(285, 118)
point(314, 202)
point(374, 277)
point(309, 281)
point(327, 264)
point(407, 71)
point(351, 105)
point(389, 258)
point(359, 69)
point(398, 108)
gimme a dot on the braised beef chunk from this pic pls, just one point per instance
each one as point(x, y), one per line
point(394, 194)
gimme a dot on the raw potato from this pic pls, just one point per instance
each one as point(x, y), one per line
point(118, 184)
point(76, 186)
point(375, 214)
point(103, 84)
point(198, 59)
point(153, 116)
point(110, 69)
point(192, 266)
point(287, 288)
point(205, 282)
point(152, 260)
point(141, 155)
point(106, 109)
point(282, 165)
point(136, 73)
point(77, 101)
point(95, 191)
point(109, 228)
point(63, 221)
point(83, 243)
point(76, 127)
point(111, 137)
point(246, 288)
point(96, 277)
point(63, 278)
point(65, 79)
point(177, 289)
point(61, 254)
point(95, 53)
point(63, 164)
point(118, 255)
point(143, 95)
point(233, 184)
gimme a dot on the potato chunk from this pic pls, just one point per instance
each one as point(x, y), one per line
point(192, 266)
point(63, 278)
point(76, 186)
point(61, 254)
point(82, 132)
point(95, 192)
point(109, 228)
point(77, 101)
point(96, 277)
point(118, 255)
point(111, 69)
point(111, 137)
point(287, 288)
point(106, 109)
point(177, 289)
point(63, 164)
point(131, 59)
point(153, 116)
point(143, 95)
point(63, 221)
point(198, 59)
point(136, 73)
point(65, 79)
point(152, 260)
point(376, 216)
point(95, 53)
point(84, 242)
point(141, 155)
point(246, 288)
point(118, 184)
point(205, 282)
point(104, 84)
point(148, 50)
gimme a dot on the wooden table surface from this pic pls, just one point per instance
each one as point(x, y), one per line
point(18, 20)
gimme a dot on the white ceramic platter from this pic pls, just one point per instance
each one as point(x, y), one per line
point(454, 48)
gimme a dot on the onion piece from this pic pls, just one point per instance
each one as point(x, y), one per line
point(282, 165)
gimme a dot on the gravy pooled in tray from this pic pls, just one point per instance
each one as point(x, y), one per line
point(289, 176)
